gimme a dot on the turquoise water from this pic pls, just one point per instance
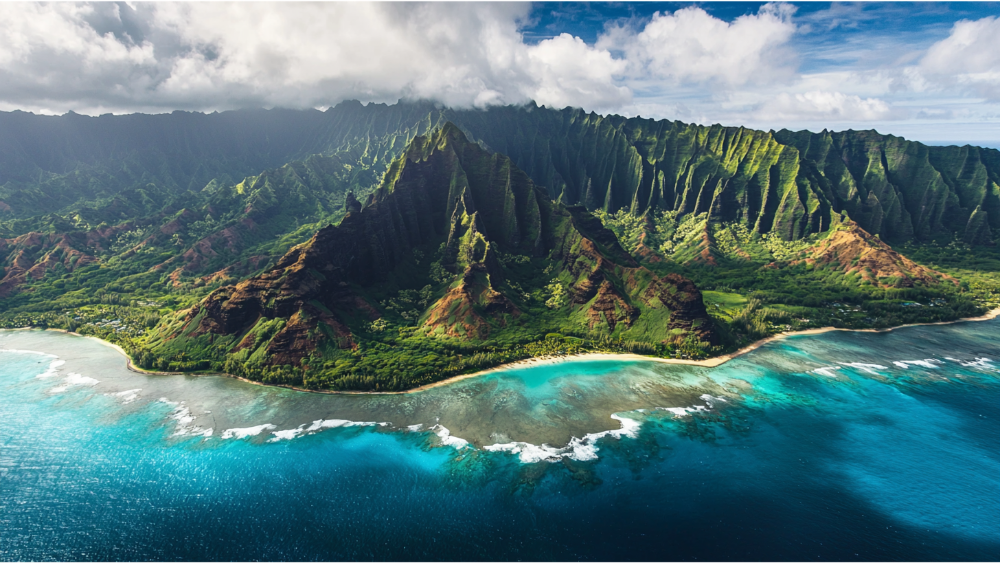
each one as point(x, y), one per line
point(786, 453)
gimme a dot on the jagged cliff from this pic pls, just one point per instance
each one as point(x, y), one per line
point(787, 182)
point(791, 183)
point(486, 237)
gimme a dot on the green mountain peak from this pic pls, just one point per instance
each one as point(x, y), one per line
point(470, 234)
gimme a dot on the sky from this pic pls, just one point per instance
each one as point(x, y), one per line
point(927, 71)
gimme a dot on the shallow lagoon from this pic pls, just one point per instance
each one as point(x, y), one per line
point(783, 453)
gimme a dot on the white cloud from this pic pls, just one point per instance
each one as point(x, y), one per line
point(969, 56)
point(50, 50)
point(60, 29)
point(690, 45)
point(823, 106)
point(569, 71)
point(685, 64)
point(221, 55)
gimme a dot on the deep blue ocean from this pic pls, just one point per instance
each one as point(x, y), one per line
point(841, 446)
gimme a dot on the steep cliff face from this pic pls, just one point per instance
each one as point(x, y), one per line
point(48, 163)
point(785, 182)
point(452, 213)
point(904, 190)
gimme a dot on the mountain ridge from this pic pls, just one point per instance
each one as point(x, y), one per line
point(313, 304)
point(782, 181)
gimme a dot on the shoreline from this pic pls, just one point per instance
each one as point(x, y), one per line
point(710, 362)
point(128, 360)
point(541, 360)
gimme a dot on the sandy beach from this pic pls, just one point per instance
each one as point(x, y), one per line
point(548, 360)
point(709, 363)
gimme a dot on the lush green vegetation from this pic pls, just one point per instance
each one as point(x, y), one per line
point(118, 247)
point(432, 321)
point(402, 358)
point(976, 267)
point(395, 351)
point(748, 302)
point(756, 284)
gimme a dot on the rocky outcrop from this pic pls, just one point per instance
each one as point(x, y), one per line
point(28, 257)
point(854, 251)
point(687, 307)
point(466, 310)
point(351, 203)
point(610, 308)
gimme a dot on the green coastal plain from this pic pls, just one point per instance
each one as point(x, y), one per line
point(384, 247)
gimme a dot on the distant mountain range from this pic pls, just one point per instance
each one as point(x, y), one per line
point(788, 182)
point(387, 246)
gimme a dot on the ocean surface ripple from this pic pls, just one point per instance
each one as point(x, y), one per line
point(845, 446)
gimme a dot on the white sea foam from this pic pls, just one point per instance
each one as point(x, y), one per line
point(530, 453)
point(447, 439)
point(53, 366)
point(980, 363)
point(286, 434)
point(182, 415)
point(867, 368)
point(241, 433)
point(52, 370)
point(579, 449)
point(415, 427)
point(316, 426)
point(585, 448)
point(73, 380)
point(928, 363)
point(827, 371)
point(683, 411)
point(126, 397)
point(708, 399)
point(321, 424)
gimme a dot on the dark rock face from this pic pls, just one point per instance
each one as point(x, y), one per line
point(449, 193)
point(592, 228)
point(687, 307)
point(611, 308)
point(790, 183)
point(351, 203)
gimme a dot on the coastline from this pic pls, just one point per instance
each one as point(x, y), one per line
point(543, 360)
point(128, 360)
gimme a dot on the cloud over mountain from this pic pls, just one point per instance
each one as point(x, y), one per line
point(219, 55)
point(781, 65)
point(822, 105)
